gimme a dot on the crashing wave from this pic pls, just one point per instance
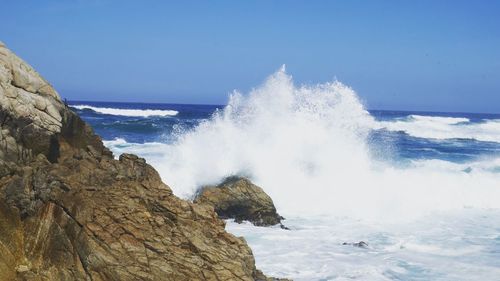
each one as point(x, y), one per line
point(309, 148)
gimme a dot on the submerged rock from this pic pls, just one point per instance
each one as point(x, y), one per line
point(70, 211)
point(239, 199)
point(360, 244)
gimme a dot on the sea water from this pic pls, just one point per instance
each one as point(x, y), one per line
point(422, 189)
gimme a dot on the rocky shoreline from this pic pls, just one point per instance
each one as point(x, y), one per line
point(70, 211)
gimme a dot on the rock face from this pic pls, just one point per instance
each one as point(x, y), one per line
point(238, 198)
point(70, 211)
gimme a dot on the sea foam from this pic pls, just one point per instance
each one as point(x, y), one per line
point(460, 246)
point(128, 112)
point(435, 127)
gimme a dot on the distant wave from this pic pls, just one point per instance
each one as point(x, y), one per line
point(439, 119)
point(436, 127)
point(128, 112)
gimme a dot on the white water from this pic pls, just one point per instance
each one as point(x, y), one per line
point(128, 112)
point(307, 147)
point(458, 246)
point(445, 128)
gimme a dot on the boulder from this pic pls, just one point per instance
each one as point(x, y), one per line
point(70, 211)
point(239, 199)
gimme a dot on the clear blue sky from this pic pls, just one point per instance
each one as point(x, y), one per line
point(419, 55)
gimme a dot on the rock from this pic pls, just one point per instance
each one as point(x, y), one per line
point(70, 211)
point(360, 244)
point(238, 198)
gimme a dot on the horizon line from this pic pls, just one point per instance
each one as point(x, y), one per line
point(223, 105)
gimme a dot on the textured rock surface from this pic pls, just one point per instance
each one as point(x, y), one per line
point(238, 198)
point(69, 211)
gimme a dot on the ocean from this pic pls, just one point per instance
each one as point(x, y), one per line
point(422, 189)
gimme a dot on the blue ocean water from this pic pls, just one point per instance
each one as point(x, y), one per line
point(402, 145)
point(140, 129)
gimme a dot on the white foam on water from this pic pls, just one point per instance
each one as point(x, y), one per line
point(460, 246)
point(439, 119)
point(307, 147)
point(435, 127)
point(128, 112)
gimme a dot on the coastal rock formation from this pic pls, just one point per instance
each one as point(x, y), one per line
point(70, 211)
point(238, 198)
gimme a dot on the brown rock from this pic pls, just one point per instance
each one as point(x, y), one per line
point(70, 211)
point(238, 198)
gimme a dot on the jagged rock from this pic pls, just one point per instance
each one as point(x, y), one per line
point(238, 198)
point(70, 211)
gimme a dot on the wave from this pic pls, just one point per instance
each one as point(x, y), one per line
point(438, 119)
point(152, 151)
point(308, 147)
point(435, 127)
point(128, 112)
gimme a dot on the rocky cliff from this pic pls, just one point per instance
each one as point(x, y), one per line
point(70, 211)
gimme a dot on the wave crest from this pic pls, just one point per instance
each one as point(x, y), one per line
point(435, 127)
point(128, 112)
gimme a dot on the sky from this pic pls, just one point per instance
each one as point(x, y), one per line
point(409, 55)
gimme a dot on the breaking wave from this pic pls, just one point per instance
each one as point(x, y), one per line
point(128, 112)
point(435, 127)
point(308, 147)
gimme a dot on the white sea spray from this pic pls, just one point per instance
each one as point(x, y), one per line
point(307, 146)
